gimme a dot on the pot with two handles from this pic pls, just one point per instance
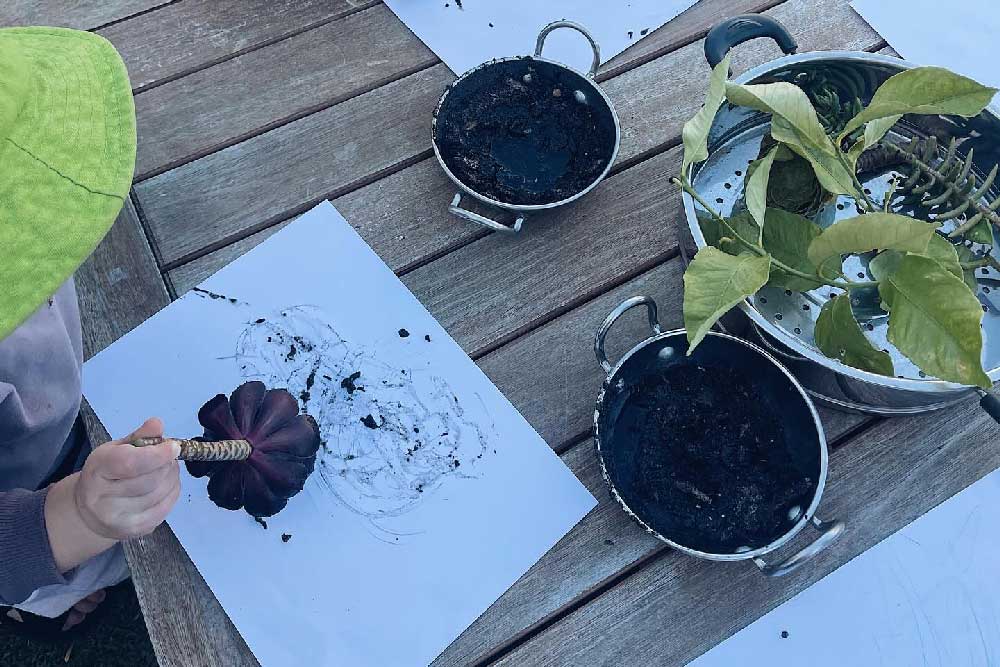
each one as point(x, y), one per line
point(797, 454)
point(784, 321)
point(525, 133)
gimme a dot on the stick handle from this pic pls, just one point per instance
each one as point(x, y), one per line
point(195, 450)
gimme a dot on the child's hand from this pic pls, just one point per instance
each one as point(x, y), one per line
point(125, 491)
point(122, 492)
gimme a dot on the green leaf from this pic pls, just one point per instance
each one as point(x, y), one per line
point(717, 235)
point(885, 264)
point(923, 90)
point(943, 252)
point(780, 99)
point(715, 282)
point(981, 233)
point(838, 336)
point(934, 319)
point(787, 237)
point(794, 123)
point(873, 231)
point(968, 275)
point(695, 132)
point(755, 190)
point(874, 131)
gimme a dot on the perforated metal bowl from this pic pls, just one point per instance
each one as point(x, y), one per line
point(784, 321)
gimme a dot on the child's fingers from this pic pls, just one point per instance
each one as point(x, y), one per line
point(146, 483)
point(127, 462)
point(151, 428)
point(147, 520)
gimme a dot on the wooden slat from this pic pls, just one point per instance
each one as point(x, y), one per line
point(260, 180)
point(690, 25)
point(81, 14)
point(194, 34)
point(403, 216)
point(207, 110)
point(678, 607)
point(187, 211)
point(119, 286)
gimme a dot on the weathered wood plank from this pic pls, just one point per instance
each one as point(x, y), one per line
point(552, 378)
point(188, 213)
point(403, 216)
point(292, 168)
point(119, 286)
point(690, 25)
point(678, 607)
point(80, 14)
point(221, 105)
point(191, 35)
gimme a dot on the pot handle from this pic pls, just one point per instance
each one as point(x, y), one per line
point(990, 402)
point(727, 34)
point(466, 214)
point(540, 44)
point(831, 531)
point(628, 304)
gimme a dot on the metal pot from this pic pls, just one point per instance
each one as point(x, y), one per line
point(784, 321)
point(536, 71)
point(729, 355)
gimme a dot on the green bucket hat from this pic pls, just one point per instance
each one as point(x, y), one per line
point(67, 153)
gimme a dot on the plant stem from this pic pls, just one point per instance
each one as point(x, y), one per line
point(756, 249)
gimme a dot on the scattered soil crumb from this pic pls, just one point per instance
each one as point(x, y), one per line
point(261, 522)
point(369, 421)
point(285, 537)
point(784, 634)
point(427, 338)
point(403, 333)
point(350, 382)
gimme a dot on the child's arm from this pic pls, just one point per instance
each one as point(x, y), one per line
point(122, 492)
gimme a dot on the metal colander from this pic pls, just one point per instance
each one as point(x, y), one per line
point(784, 320)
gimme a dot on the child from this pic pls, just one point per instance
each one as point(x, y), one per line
point(67, 152)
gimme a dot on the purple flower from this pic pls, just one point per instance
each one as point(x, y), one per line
point(284, 449)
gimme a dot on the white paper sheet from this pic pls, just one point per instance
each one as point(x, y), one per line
point(927, 595)
point(959, 34)
point(480, 30)
point(377, 571)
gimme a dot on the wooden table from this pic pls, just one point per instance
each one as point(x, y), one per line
point(252, 111)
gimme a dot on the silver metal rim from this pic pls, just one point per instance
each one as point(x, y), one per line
point(525, 207)
point(820, 433)
point(926, 386)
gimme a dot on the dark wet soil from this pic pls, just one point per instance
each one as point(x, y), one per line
point(525, 132)
point(708, 465)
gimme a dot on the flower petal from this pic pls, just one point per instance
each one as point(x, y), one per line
point(299, 437)
point(260, 500)
point(244, 403)
point(217, 419)
point(225, 487)
point(276, 408)
point(284, 474)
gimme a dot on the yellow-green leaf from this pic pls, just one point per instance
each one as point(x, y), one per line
point(968, 275)
point(787, 237)
point(838, 336)
point(694, 134)
point(794, 123)
point(719, 236)
point(755, 190)
point(780, 99)
point(934, 319)
point(873, 231)
point(715, 282)
point(923, 90)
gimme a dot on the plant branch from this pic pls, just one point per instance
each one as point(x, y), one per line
point(756, 249)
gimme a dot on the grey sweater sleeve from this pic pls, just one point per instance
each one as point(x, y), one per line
point(24, 546)
point(40, 366)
